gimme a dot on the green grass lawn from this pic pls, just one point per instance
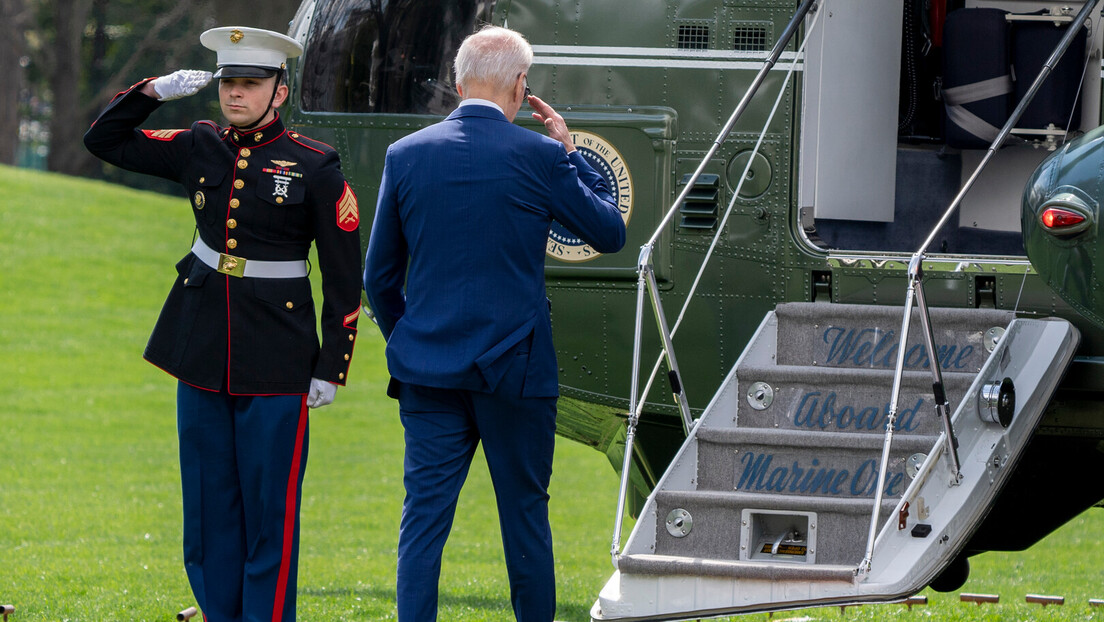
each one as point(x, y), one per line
point(89, 487)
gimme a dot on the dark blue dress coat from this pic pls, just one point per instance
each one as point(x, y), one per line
point(455, 265)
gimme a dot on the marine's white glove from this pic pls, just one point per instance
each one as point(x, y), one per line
point(180, 83)
point(321, 393)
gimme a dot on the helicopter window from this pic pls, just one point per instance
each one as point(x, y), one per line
point(750, 38)
point(693, 37)
point(386, 56)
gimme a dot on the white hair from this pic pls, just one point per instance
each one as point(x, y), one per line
point(493, 56)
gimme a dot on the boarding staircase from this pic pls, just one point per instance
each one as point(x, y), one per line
point(769, 502)
point(796, 432)
point(837, 463)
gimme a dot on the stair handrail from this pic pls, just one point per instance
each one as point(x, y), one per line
point(915, 293)
point(646, 273)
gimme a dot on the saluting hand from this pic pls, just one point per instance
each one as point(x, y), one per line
point(179, 84)
point(553, 122)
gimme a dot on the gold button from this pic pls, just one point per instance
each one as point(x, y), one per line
point(341, 376)
point(289, 305)
point(245, 153)
point(242, 163)
point(234, 203)
point(239, 184)
point(257, 137)
point(231, 223)
point(231, 243)
point(346, 356)
point(279, 199)
point(351, 337)
point(202, 179)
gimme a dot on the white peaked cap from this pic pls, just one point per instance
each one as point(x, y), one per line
point(249, 51)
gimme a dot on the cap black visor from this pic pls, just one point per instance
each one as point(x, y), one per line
point(244, 71)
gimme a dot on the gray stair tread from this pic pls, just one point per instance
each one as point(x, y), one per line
point(796, 311)
point(696, 566)
point(796, 503)
point(805, 438)
point(863, 375)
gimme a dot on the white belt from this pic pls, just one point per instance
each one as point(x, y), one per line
point(241, 267)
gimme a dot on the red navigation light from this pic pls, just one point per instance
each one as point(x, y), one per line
point(1058, 218)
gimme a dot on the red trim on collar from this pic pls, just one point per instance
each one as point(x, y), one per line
point(247, 133)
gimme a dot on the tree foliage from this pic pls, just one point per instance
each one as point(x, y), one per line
point(70, 57)
point(14, 18)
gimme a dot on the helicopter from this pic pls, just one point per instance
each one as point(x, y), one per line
point(874, 227)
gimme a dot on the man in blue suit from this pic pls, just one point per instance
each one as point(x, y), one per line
point(455, 277)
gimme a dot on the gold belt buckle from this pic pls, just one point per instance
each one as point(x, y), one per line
point(229, 264)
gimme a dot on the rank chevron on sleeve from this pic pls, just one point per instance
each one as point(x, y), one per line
point(348, 214)
point(161, 134)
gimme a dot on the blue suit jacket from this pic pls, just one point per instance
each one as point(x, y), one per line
point(462, 220)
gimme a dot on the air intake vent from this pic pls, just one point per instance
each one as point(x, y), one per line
point(750, 38)
point(693, 37)
point(699, 210)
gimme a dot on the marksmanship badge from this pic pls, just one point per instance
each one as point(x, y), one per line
point(281, 186)
point(607, 161)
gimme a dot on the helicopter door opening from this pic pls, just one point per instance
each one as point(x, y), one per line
point(896, 119)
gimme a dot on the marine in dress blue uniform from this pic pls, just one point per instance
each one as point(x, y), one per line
point(455, 276)
point(238, 329)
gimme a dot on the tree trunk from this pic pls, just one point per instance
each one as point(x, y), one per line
point(13, 17)
point(67, 123)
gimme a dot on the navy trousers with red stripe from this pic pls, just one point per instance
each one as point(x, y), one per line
point(242, 460)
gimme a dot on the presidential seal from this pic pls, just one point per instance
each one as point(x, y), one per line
point(607, 161)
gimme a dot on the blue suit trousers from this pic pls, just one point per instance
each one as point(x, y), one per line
point(242, 460)
point(443, 427)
